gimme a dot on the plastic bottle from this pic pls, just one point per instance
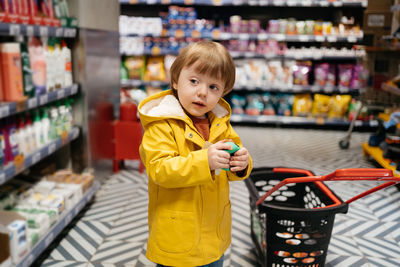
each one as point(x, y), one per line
point(59, 66)
point(50, 66)
point(31, 138)
point(66, 54)
point(53, 124)
point(26, 71)
point(45, 126)
point(13, 89)
point(38, 65)
point(37, 125)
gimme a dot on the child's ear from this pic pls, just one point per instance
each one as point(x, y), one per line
point(174, 85)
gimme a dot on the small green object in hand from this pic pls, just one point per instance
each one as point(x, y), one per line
point(232, 151)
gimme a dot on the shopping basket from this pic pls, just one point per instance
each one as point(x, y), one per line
point(293, 211)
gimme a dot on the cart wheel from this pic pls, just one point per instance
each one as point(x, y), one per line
point(344, 144)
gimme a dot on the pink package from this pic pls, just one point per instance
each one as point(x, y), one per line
point(345, 74)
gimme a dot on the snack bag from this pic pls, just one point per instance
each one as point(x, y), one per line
point(135, 66)
point(237, 103)
point(268, 101)
point(301, 73)
point(321, 105)
point(302, 105)
point(345, 74)
point(339, 106)
point(254, 105)
point(155, 69)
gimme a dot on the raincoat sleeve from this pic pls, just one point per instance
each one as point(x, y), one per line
point(231, 134)
point(165, 166)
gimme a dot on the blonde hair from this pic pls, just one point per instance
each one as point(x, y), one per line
point(213, 59)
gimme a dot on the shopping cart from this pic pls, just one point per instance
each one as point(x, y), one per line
point(293, 212)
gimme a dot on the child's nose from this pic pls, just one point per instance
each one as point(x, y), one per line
point(202, 90)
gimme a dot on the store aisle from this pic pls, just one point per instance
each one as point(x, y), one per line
point(113, 230)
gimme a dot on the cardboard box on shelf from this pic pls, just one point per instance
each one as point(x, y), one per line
point(380, 5)
point(377, 20)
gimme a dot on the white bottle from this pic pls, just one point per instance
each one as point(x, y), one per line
point(50, 68)
point(66, 54)
point(59, 64)
point(45, 127)
point(37, 125)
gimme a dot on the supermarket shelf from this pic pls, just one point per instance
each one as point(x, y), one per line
point(299, 121)
point(11, 169)
point(136, 83)
point(377, 154)
point(287, 3)
point(10, 108)
point(8, 29)
point(239, 55)
point(65, 219)
point(221, 36)
point(302, 89)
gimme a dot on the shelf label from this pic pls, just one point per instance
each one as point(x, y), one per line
point(304, 38)
point(5, 111)
point(332, 38)
point(15, 29)
point(36, 157)
point(32, 102)
point(30, 30)
point(337, 3)
point(373, 123)
point(262, 36)
point(75, 134)
point(52, 148)
point(324, 3)
point(279, 37)
point(43, 31)
point(278, 2)
point(262, 119)
point(306, 3)
point(44, 99)
point(292, 2)
point(244, 36)
point(19, 162)
point(60, 94)
point(59, 32)
point(49, 239)
point(351, 39)
point(237, 2)
point(2, 177)
point(69, 32)
point(319, 38)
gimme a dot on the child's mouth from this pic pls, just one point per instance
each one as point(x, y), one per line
point(198, 104)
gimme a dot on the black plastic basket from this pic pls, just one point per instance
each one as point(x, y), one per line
point(292, 218)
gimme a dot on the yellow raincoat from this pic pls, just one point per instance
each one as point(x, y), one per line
point(189, 207)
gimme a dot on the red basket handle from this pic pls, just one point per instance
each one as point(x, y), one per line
point(342, 175)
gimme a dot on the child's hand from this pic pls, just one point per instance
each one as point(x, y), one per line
point(218, 158)
point(239, 160)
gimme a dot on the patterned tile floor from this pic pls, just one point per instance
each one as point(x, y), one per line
point(112, 231)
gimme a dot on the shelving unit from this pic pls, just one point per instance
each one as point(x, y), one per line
point(219, 10)
point(8, 109)
point(65, 219)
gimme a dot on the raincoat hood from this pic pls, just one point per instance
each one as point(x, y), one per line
point(165, 105)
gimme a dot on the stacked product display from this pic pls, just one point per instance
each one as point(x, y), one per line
point(285, 66)
point(37, 91)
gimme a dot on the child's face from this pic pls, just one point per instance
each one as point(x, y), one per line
point(198, 93)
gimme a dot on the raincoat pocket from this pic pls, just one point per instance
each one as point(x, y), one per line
point(224, 228)
point(176, 231)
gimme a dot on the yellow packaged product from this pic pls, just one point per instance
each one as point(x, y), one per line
point(155, 69)
point(302, 105)
point(321, 105)
point(135, 66)
point(339, 107)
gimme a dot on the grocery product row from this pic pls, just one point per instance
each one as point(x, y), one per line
point(183, 22)
point(34, 208)
point(259, 74)
point(291, 3)
point(34, 67)
point(42, 12)
point(237, 48)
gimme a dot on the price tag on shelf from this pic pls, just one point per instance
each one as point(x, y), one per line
point(244, 36)
point(324, 3)
point(279, 37)
point(32, 102)
point(292, 2)
point(19, 162)
point(74, 89)
point(262, 119)
point(43, 31)
point(75, 134)
point(358, 123)
point(60, 93)
point(237, 2)
point(5, 111)
point(304, 38)
point(30, 30)
point(278, 2)
point(59, 32)
point(15, 29)
point(36, 157)
point(337, 3)
point(351, 39)
point(320, 38)
point(48, 239)
point(151, 2)
point(52, 148)
point(306, 3)
point(373, 123)
point(332, 38)
point(44, 99)
point(262, 36)
point(2, 177)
